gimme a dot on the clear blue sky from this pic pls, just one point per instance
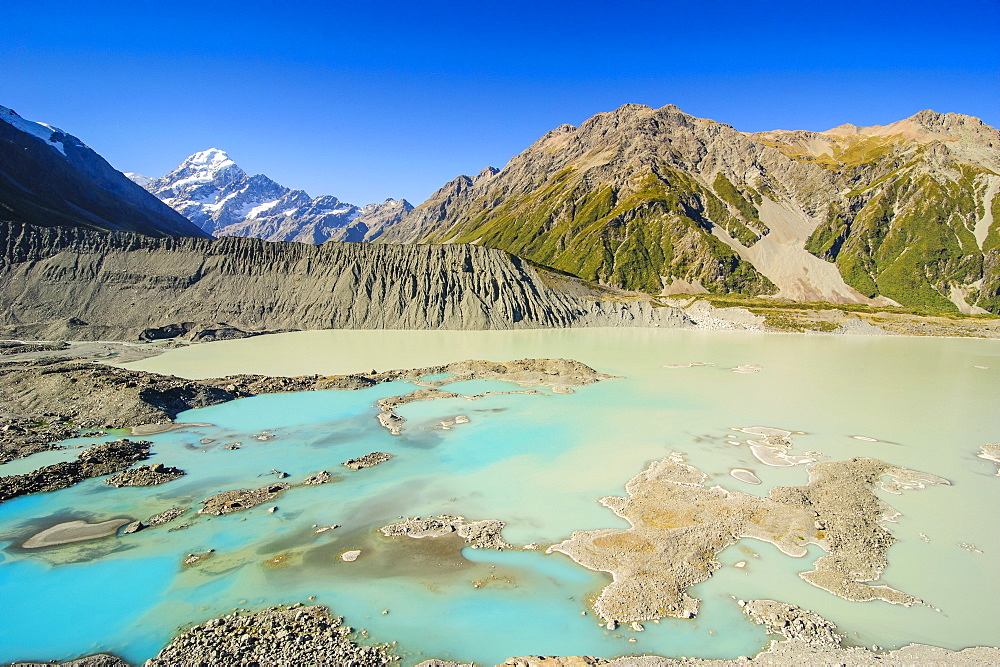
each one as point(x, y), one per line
point(369, 100)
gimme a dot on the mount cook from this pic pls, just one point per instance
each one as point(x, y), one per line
point(213, 192)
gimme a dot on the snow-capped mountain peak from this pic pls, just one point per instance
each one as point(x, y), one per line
point(208, 162)
point(211, 190)
point(211, 166)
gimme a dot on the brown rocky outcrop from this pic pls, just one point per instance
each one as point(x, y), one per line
point(145, 476)
point(103, 459)
point(293, 635)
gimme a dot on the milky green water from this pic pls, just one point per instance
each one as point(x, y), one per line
point(538, 462)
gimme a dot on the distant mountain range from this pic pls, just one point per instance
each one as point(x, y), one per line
point(650, 200)
point(214, 193)
point(660, 201)
point(50, 178)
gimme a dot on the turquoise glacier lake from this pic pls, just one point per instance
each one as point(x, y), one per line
point(540, 463)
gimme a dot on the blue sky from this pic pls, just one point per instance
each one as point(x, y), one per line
point(369, 100)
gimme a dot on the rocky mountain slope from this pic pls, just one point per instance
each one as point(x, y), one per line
point(660, 201)
point(49, 177)
point(214, 193)
point(58, 283)
point(916, 216)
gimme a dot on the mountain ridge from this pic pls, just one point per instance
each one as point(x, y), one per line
point(50, 177)
point(662, 201)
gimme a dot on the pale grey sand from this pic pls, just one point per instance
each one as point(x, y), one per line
point(990, 452)
point(74, 531)
point(745, 475)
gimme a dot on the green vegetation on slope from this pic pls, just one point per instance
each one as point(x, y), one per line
point(911, 239)
point(737, 227)
point(728, 192)
point(657, 225)
point(989, 291)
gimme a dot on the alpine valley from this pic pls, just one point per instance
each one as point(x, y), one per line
point(564, 408)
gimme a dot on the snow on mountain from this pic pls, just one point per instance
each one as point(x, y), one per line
point(217, 195)
point(51, 178)
point(376, 218)
point(53, 136)
point(138, 179)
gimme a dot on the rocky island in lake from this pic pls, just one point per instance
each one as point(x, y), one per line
point(679, 526)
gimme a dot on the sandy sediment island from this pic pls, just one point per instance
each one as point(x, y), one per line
point(771, 455)
point(157, 519)
point(322, 477)
point(393, 422)
point(990, 452)
point(484, 534)
point(45, 400)
point(554, 373)
point(389, 419)
point(679, 526)
point(792, 622)
point(166, 516)
point(367, 461)
point(771, 447)
point(561, 375)
point(74, 531)
point(104, 459)
point(745, 475)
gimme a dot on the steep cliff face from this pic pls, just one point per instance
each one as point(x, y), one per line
point(49, 177)
point(661, 201)
point(76, 284)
